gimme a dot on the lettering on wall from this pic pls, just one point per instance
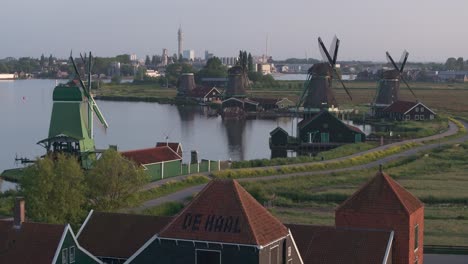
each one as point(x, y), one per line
point(211, 223)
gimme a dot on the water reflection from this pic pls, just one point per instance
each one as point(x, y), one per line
point(235, 129)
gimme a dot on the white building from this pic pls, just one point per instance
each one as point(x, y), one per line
point(189, 55)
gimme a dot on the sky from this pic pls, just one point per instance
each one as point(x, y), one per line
point(430, 30)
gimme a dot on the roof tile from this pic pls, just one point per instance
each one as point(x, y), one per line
point(151, 155)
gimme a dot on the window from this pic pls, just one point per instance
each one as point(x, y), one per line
point(64, 256)
point(422, 109)
point(274, 255)
point(416, 117)
point(408, 117)
point(72, 254)
point(207, 257)
point(289, 251)
point(417, 109)
point(431, 117)
point(416, 237)
point(421, 117)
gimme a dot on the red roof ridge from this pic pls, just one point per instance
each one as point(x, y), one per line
point(143, 149)
point(235, 183)
point(397, 189)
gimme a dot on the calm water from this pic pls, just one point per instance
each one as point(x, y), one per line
point(26, 106)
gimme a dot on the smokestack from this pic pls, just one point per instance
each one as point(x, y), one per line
point(18, 217)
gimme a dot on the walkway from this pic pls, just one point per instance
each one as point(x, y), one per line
point(453, 129)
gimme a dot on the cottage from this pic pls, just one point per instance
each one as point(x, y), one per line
point(324, 127)
point(159, 162)
point(206, 94)
point(28, 242)
point(175, 146)
point(266, 103)
point(404, 110)
point(245, 105)
point(279, 137)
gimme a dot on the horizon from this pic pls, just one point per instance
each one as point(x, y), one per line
point(431, 33)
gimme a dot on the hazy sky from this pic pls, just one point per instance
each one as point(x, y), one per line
point(430, 30)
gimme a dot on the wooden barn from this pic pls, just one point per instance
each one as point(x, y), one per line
point(324, 127)
point(404, 110)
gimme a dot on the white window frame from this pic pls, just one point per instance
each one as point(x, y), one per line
point(416, 227)
point(277, 254)
point(431, 117)
point(416, 117)
point(417, 109)
point(71, 256)
point(196, 255)
point(65, 256)
point(408, 117)
point(422, 109)
point(421, 117)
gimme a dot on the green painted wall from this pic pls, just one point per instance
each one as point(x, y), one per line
point(80, 256)
point(168, 252)
point(172, 168)
point(214, 165)
point(154, 171)
point(204, 166)
point(194, 168)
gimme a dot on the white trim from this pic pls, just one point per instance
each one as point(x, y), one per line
point(154, 163)
point(132, 257)
point(211, 242)
point(84, 223)
point(277, 254)
point(81, 248)
point(207, 250)
point(419, 103)
point(389, 247)
point(59, 246)
point(295, 246)
point(277, 240)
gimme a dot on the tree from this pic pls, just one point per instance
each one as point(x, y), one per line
point(51, 60)
point(250, 65)
point(54, 190)
point(147, 61)
point(460, 64)
point(123, 58)
point(173, 71)
point(214, 68)
point(113, 181)
point(451, 64)
point(42, 61)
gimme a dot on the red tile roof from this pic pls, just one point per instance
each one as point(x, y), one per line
point(225, 212)
point(175, 146)
point(327, 244)
point(151, 155)
point(201, 92)
point(118, 235)
point(400, 107)
point(382, 194)
point(355, 129)
point(32, 243)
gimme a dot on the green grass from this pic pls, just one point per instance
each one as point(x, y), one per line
point(169, 187)
point(165, 209)
point(439, 178)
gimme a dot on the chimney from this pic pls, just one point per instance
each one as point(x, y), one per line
point(18, 217)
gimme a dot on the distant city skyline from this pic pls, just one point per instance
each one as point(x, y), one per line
point(430, 30)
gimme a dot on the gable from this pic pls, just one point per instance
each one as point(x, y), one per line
point(225, 212)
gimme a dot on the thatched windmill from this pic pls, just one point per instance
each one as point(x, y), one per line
point(318, 92)
point(388, 90)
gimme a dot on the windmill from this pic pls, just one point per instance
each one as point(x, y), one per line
point(388, 90)
point(318, 93)
point(71, 123)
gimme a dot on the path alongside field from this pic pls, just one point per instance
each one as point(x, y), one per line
point(453, 129)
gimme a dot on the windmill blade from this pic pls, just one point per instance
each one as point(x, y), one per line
point(98, 112)
point(79, 76)
point(407, 85)
point(390, 59)
point(342, 84)
point(334, 49)
point(89, 72)
point(404, 58)
point(326, 56)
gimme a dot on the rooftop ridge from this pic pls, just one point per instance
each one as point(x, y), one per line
point(235, 183)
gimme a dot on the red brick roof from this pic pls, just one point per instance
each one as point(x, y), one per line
point(400, 107)
point(118, 235)
point(151, 155)
point(327, 244)
point(382, 194)
point(32, 243)
point(225, 212)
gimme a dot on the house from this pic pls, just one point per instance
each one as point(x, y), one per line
point(175, 146)
point(206, 94)
point(159, 162)
point(380, 223)
point(244, 105)
point(115, 237)
point(404, 110)
point(279, 137)
point(324, 127)
point(285, 103)
point(25, 242)
point(385, 205)
point(266, 103)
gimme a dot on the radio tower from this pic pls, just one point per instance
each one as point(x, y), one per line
point(180, 39)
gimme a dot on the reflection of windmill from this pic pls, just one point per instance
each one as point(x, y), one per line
point(318, 93)
point(71, 123)
point(388, 91)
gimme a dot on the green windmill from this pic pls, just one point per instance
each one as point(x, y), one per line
point(71, 123)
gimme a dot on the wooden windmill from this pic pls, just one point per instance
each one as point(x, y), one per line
point(71, 123)
point(318, 93)
point(388, 90)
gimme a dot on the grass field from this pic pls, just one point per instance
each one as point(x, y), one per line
point(438, 178)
